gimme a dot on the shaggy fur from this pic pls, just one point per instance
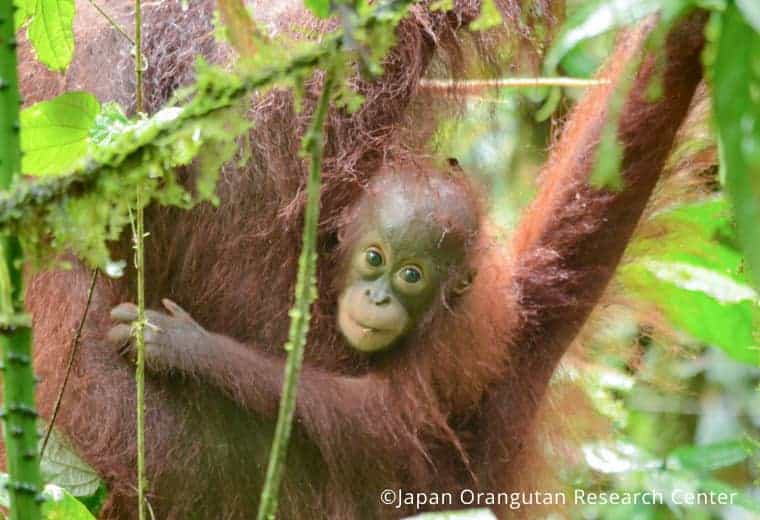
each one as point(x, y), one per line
point(451, 408)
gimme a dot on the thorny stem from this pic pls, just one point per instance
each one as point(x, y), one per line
point(139, 238)
point(19, 416)
point(300, 314)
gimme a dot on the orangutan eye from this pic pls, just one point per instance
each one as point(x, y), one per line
point(374, 257)
point(411, 274)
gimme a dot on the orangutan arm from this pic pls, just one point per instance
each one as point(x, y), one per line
point(176, 343)
point(573, 236)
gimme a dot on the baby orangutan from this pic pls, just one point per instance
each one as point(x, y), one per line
point(404, 247)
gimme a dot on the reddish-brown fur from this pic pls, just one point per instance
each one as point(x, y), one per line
point(453, 408)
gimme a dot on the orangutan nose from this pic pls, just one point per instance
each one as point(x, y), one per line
point(378, 296)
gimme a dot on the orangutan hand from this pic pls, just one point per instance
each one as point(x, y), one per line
point(173, 341)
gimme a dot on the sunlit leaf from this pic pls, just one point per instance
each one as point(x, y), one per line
point(442, 5)
point(736, 100)
point(488, 18)
point(55, 133)
point(710, 457)
point(24, 10)
point(593, 20)
point(609, 157)
point(751, 11)
point(738, 497)
point(321, 8)
point(695, 276)
point(110, 122)
point(51, 32)
point(618, 457)
point(59, 504)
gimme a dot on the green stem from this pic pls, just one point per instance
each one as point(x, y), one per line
point(300, 314)
point(20, 416)
point(140, 261)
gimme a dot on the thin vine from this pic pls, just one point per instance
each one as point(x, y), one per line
point(19, 416)
point(300, 313)
point(70, 362)
point(139, 240)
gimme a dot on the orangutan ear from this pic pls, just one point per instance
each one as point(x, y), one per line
point(464, 283)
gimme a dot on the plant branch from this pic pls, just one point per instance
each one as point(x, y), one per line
point(139, 239)
point(300, 313)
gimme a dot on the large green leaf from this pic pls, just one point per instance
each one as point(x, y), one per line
point(710, 457)
point(55, 133)
point(51, 32)
point(736, 99)
point(695, 276)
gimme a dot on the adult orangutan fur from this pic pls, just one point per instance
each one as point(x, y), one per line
point(453, 407)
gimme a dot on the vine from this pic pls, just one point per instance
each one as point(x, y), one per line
point(300, 314)
point(138, 235)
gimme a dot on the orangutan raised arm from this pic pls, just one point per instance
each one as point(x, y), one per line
point(572, 237)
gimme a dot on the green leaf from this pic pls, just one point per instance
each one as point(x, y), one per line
point(61, 466)
point(24, 11)
point(704, 303)
point(55, 133)
point(51, 32)
point(321, 8)
point(442, 5)
point(609, 157)
point(695, 275)
point(736, 99)
point(751, 11)
point(710, 457)
point(593, 20)
point(488, 18)
point(59, 503)
point(739, 498)
point(108, 125)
